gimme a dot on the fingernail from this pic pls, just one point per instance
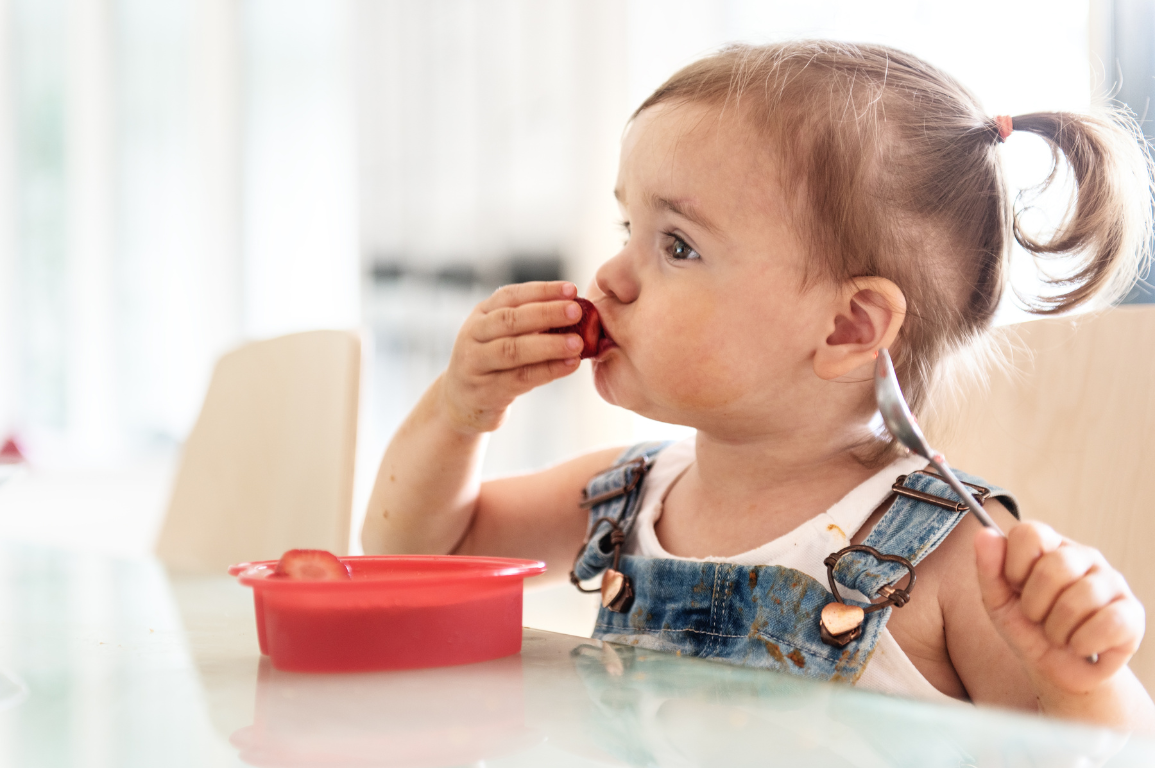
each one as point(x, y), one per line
point(569, 289)
point(573, 311)
point(573, 342)
point(572, 360)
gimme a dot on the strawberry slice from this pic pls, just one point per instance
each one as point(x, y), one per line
point(315, 564)
point(589, 327)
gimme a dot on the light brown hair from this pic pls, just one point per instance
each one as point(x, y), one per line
point(897, 174)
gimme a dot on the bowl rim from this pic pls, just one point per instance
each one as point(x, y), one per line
point(259, 573)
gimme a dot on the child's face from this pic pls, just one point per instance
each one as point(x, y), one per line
point(704, 301)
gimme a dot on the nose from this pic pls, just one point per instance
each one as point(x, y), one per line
point(618, 279)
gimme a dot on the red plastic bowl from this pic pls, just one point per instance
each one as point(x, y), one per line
point(396, 612)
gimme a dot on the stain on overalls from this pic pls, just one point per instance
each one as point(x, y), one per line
point(759, 616)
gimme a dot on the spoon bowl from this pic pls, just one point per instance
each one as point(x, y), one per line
point(901, 424)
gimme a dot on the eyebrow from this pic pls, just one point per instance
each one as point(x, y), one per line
point(686, 209)
point(681, 206)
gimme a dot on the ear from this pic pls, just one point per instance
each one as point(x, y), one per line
point(865, 316)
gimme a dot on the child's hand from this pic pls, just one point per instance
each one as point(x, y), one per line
point(500, 352)
point(1057, 603)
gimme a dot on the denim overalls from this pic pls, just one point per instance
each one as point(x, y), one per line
point(764, 615)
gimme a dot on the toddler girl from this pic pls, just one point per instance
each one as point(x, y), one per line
point(790, 210)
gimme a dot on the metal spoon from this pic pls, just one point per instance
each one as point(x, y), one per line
point(899, 420)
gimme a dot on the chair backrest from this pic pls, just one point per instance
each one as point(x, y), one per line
point(1070, 431)
point(269, 464)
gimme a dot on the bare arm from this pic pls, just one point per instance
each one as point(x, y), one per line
point(427, 485)
point(428, 494)
point(537, 515)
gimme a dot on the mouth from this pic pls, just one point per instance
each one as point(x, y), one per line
point(605, 343)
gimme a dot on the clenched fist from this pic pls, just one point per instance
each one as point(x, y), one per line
point(1068, 615)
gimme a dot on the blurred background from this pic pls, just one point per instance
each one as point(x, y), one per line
point(180, 176)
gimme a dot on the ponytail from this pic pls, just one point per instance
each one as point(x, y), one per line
point(1107, 229)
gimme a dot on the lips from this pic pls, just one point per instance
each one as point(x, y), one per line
point(605, 341)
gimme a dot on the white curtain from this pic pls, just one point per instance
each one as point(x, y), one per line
point(177, 176)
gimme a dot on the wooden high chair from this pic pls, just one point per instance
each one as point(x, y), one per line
point(1070, 431)
point(269, 465)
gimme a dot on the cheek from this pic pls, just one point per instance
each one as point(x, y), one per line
point(719, 373)
point(706, 388)
point(717, 355)
point(705, 361)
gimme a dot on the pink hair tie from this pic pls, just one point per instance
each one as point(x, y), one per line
point(1006, 124)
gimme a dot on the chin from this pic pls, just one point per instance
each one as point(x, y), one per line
point(627, 394)
point(602, 383)
point(615, 385)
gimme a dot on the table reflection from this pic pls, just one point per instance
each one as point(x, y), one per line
point(421, 718)
point(658, 709)
point(13, 691)
point(573, 701)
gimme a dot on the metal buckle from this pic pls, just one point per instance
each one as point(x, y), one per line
point(643, 465)
point(980, 493)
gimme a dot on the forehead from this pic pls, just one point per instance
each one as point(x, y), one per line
point(699, 154)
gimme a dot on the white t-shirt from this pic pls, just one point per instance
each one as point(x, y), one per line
point(803, 549)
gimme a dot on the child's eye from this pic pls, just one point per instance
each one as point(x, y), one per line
point(680, 250)
point(625, 225)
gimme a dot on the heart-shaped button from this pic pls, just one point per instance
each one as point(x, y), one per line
point(840, 618)
point(612, 583)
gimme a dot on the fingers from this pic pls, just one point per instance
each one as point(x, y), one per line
point(525, 293)
point(1026, 543)
point(534, 317)
point(1076, 603)
point(525, 378)
point(500, 352)
point(1053, 573)
point(507, 327)
point(1080, 601)
point(1114, 628)
point(516, 351)
point(990, 557)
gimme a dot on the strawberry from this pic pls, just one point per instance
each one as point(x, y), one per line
point(316, 564)
point(589, 327)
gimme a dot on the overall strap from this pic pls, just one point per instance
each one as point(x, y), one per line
point(924, 512)
point(613, 495)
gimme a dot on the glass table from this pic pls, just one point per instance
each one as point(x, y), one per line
point(114, 662)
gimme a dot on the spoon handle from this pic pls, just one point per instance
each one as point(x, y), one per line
point(939, 463)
